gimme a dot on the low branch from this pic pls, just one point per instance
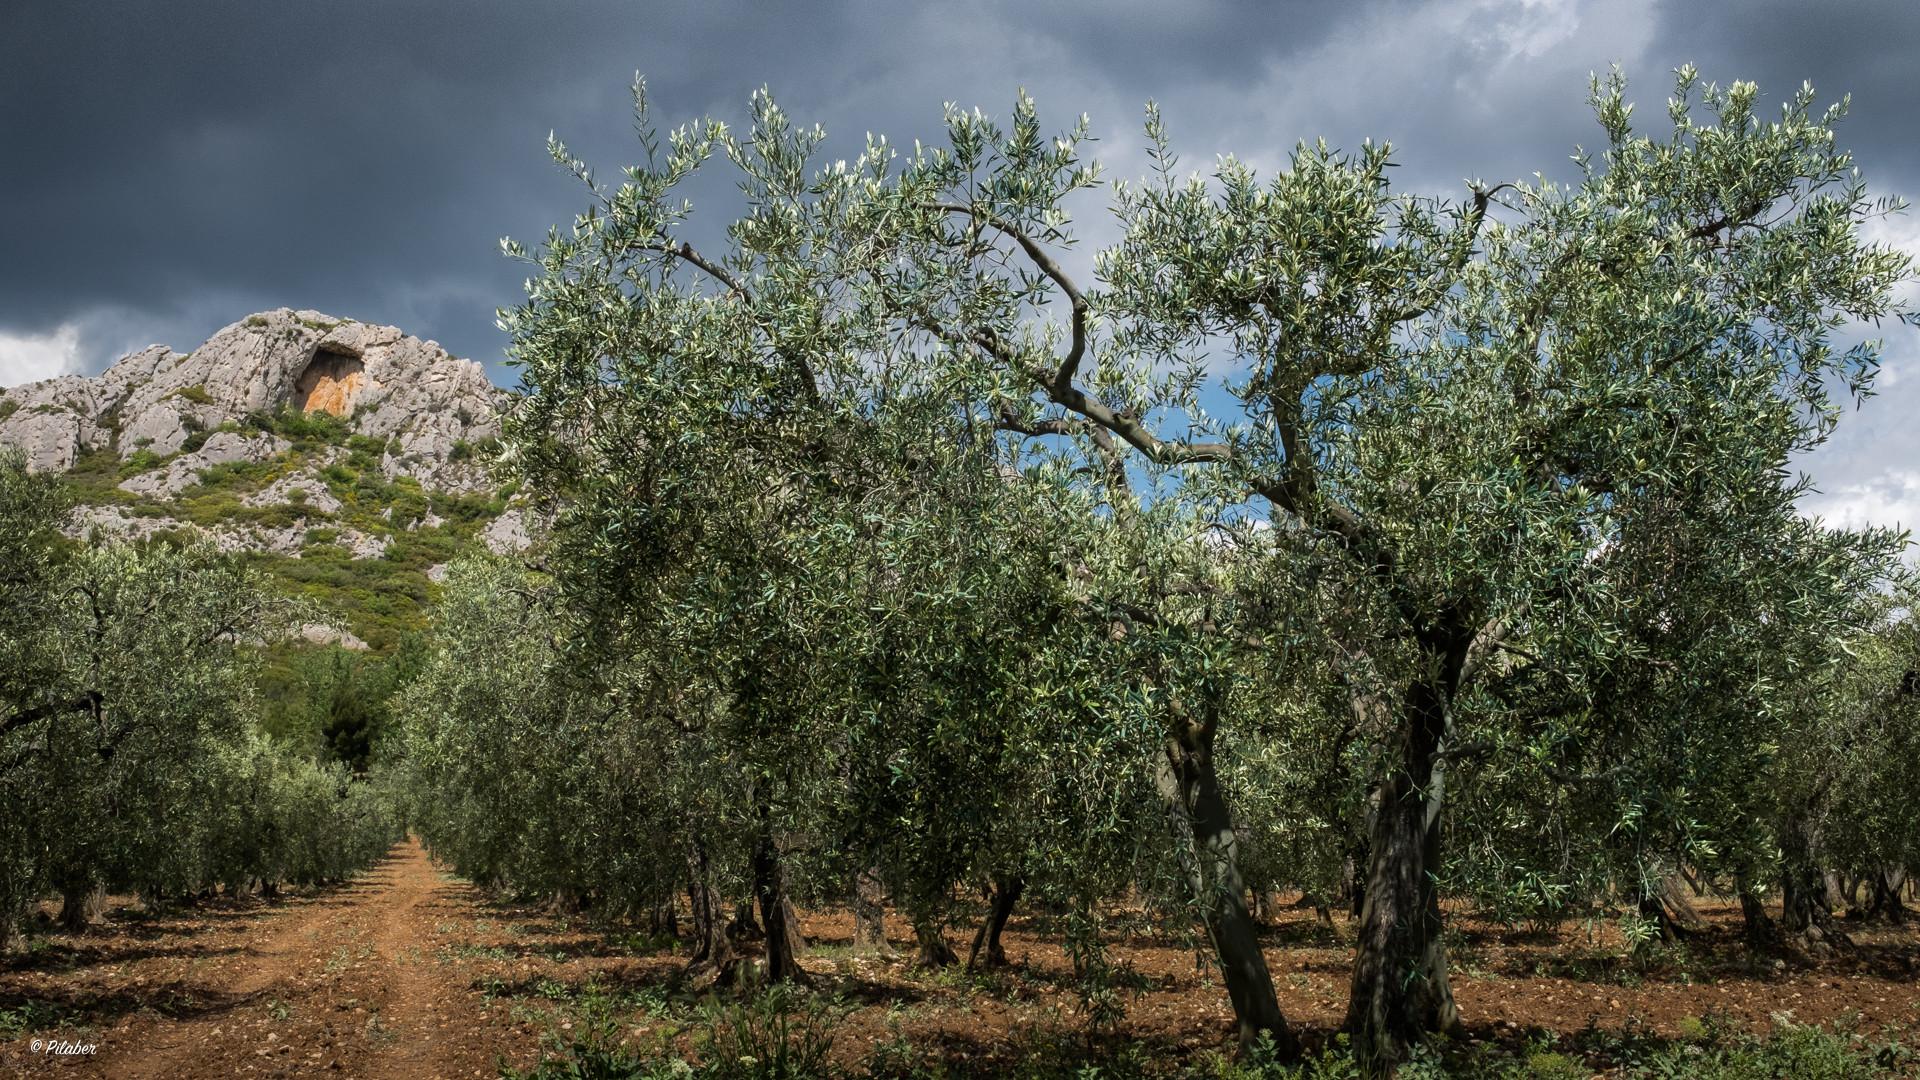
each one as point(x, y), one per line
point(88, 701)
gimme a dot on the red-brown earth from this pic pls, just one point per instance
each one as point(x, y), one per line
point(407, 972)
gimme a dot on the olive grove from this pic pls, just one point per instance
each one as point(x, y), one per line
point(131, 756)
point(887, 549)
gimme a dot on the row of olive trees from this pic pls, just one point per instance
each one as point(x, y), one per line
point(887, 549)
point(130, 755)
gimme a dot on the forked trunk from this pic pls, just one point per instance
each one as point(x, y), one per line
point(869, 912)
point(1006, 893)
point(933, 952)
point(1189, 781)
point(82, 903)
point(1884, 906)
point(712, 949)
point(1804, 912)
point(784, 942)
point(1400, 991)
point(1805, 893)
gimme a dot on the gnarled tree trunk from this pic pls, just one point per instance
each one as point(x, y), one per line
point(784, 942)
point(1189, 781)
point(1400, 991)
point(1006, 893)
point(82, 902)
point(869, 911)
point(1761, 933)
point(1883, 905)
point(1805, 893)
point(712, 949)
point(1667, 907)
point(1803, 909)
point(932, 952)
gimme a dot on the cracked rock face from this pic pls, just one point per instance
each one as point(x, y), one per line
point(386, 384)
point(228, 538)
point(222, 447)
point(512, 531)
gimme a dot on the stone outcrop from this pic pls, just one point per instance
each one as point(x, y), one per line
point(322, 634)
point(117, 522)
point(170, 417)
point(221, 448)
point(384, 383)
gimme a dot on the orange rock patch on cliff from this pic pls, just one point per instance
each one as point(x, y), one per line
point(331, 382)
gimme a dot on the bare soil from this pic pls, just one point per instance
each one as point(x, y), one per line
point(409, 973)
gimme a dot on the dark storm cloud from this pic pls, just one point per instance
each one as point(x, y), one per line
point(169, 168)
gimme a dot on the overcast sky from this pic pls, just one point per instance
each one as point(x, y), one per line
point(168, 168)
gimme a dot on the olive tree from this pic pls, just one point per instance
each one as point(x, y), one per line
point(1449, 413)
point(129, 747)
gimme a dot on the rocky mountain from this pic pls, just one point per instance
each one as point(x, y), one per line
point(383, 382)
point(351, 457)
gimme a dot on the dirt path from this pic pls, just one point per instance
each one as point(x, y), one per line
point(410, 974)
point(362, 981)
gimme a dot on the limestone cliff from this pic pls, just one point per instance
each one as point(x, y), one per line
point(288, 433)
point(386, 384)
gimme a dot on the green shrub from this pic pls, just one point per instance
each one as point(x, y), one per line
point(8, 407)
point(196, 393)
point(778, 1034)
point(140, 461)
point(317, 427)
point(234, 474)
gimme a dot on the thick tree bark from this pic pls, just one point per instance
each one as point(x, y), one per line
point(82, 903)
point(1006, 893)
point(743, 927)
point(1840, 892)
point(869, 912)
point(1884, 905)
point(1804, 912)
point(1191, 785)
point(1805, 892)
point(1400, 991)
point(1680, 905)
point(784, 942)
point(712, 949)
point(1667, 906)
point(1266, 906)
point(932, 952)
point(1654, 909)
point(1761, 933)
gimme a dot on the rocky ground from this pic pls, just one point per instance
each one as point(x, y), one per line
point(410, 973)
